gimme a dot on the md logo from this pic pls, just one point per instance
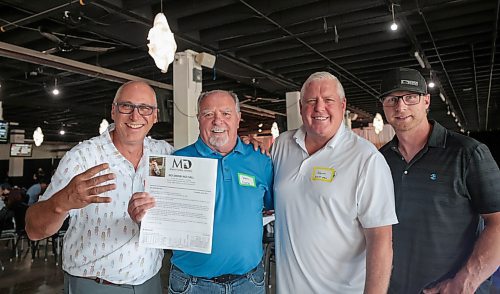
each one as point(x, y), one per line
point(182, 164)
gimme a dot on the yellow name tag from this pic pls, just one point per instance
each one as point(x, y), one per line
point(324, 174)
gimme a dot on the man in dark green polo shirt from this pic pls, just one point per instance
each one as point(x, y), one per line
point(445, 185)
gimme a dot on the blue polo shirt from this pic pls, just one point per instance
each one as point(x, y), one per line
point(244, 187)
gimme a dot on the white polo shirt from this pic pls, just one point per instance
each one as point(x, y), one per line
point(323, 202)
point(102, 240)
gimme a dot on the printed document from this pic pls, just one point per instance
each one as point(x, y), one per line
point(184, 190)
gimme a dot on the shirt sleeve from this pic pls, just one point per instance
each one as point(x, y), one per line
point(375, 194)
point(269, 196)
point(483, 181)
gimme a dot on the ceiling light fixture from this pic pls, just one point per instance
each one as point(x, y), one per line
point(378, 123)
point(55, 91)
point(38, 136)
point(275, 132)
point(162, 44)
point(442, 97)
point(260, 125)
point(103, 126)
point(419, 59)
point(62, 132)
point(394, 25)
point(431, 84)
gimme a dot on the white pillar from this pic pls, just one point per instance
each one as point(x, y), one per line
point(187, 88)
point(16, 164)
point(293, 117)
point(347, 119)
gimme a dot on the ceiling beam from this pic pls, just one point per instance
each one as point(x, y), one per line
point(24, 54)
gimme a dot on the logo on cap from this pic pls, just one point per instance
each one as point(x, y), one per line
point(408, 82)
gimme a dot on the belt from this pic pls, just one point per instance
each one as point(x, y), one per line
point(222, 279)
point(101, 281)
point(225, 278)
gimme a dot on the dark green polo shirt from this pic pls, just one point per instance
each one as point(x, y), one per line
point(439, 196)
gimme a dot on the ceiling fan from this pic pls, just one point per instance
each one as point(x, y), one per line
point(64, 44)
point(250, 98)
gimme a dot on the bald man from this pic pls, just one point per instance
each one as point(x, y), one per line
point(93, 185)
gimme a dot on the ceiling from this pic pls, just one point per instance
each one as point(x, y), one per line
point(263, 48)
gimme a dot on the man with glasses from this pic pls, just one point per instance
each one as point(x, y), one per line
point(445, 185)
point(93, 185)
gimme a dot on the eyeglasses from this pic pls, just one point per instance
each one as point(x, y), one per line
point(392, 100)
point(128, 108)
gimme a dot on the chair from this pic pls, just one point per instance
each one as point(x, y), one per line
point(19, 216)
point(269, 258)
point(9, 235)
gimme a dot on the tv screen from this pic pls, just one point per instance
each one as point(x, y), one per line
point(4, 131)
point(21, 149)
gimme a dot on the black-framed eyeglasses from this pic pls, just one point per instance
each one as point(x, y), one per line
point(128, 108)
point(408, 99)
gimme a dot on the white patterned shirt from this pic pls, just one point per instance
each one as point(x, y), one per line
point(102, 240)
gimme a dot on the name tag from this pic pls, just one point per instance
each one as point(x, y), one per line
point(324, 174)
point(246, 180)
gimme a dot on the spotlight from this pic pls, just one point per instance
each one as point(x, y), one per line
point(394, 25)
point(62, 132)
point(55, 91)
point(442, 97)
point(419, 59)
point(260, 125)
point(431, 84)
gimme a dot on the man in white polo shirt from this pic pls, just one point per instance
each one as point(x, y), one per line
point(334, 201)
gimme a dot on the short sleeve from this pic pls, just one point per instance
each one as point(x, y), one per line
point(375, 194)
point(483, 181)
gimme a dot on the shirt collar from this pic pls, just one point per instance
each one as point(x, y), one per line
point(438, 135)
point(300, 137)
point(436, 139)
point(204, 150)
point(110, 148)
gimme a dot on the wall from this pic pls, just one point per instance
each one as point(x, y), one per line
point(46, 156)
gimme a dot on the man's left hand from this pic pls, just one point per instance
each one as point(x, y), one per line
point(451, 286)
point(256, 144)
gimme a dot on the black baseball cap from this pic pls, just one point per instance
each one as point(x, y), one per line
point(403, 79)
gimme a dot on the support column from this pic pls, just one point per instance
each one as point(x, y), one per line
point(187, 88)
point(293, 117)
point(347, 119)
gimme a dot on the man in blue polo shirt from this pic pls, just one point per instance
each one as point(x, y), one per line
point(244, 187)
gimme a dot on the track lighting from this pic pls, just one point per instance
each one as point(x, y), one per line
point(442, 97)
point(55, 91)
point(394, 25)
point(419, 59)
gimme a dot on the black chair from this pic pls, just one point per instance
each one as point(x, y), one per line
point(269, 257)
point(19, 217)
